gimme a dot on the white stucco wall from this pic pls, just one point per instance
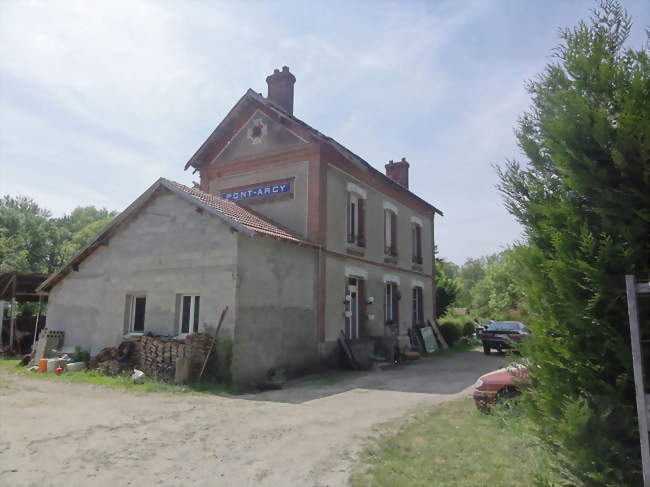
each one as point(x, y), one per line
point(168, 249)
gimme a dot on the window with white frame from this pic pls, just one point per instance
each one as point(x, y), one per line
point(418, 314)
point(390, 232)
point(188, 315)
point(136, 309)
point(356, 219)
point(391, 303)
point(416, 239)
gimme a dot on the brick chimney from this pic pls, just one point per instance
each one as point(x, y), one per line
point(398, 172)
point(281, 88)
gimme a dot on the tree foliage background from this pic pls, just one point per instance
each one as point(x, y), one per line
point(584, 202)
point(32, 240)
point(486, 285)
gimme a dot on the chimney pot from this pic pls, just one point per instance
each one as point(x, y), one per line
point(398, 171)
point(280, 88)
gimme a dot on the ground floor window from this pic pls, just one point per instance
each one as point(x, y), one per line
point(137, 304)
point(355, 307)
point(417, 306)
point(391, 303)
point(189, 314)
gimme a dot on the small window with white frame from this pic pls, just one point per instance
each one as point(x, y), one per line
point(188, 315)
point(391, 303)
point(418, 314)
point(356, 216)
point(416, 239)
point(136, 310)
point(390, 232)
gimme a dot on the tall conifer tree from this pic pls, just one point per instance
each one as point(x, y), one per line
point(583, 199)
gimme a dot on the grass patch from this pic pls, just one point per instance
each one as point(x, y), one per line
point(453, 444)
point(122, 381)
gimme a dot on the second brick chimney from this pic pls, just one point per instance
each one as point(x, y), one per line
point(280, 85)
point(398, 172)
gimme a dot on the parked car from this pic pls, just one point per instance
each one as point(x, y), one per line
point(502, 384)
point(502, 335)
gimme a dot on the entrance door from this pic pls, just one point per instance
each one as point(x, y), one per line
point(353, 320)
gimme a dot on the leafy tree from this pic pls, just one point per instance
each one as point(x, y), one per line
point(446, 292)
point(447, 288)
point(584, 202)
point(497, 295)
point(447, 268)
point(31, 240)
point(25, 229)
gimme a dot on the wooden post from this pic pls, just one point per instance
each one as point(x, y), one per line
point(2, 320)
point(12, 323)
point(38, 316)
point(639, 382)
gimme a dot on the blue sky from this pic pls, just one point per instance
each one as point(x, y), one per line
point(99, 99)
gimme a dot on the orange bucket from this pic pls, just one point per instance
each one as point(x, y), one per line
point(42, 365)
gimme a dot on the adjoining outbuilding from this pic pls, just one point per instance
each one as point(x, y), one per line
point(169, 264)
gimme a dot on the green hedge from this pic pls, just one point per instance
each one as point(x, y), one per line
point(469, 329)
point(451, 329)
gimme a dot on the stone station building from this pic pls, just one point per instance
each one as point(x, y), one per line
point(297, 235)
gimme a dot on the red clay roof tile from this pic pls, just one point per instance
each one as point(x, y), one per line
point(244, 216)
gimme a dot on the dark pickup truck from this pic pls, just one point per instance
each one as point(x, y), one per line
point(502, 335)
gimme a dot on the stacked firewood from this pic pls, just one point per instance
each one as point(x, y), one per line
point(106, 361)
point(152, 354)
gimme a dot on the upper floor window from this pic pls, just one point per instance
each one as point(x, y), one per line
point(416, 239)
point(390, 229)
point(390, 232)
point(356, 215)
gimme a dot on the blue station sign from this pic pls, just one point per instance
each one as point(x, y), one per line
point(260, 191)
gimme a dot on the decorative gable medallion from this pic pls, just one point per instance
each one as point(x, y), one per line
point(256, 131)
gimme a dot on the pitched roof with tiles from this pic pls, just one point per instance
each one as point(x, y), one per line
point(232, 211)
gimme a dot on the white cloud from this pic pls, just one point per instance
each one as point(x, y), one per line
point(99, 99)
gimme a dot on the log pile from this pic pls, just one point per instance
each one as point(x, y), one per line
point(151, 355)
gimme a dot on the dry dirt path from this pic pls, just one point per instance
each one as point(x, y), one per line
point(60, 434)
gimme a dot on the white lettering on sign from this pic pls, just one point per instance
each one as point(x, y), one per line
point(257, 191)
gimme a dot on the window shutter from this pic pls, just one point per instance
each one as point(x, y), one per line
point(386, 288)
point(349, 235)
point(415, 304)
point(420, 306)
point(395, 304)
point(385, 231)
point(393, 232)
point(361, 222)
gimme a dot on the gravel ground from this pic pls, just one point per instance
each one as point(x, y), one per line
point(61, 434)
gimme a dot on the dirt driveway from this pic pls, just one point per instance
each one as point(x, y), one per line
point(56, 434)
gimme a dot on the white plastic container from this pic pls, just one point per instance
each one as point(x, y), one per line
point(75, 366)
point(52, 364)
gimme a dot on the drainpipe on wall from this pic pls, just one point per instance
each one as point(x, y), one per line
point(433, 270)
